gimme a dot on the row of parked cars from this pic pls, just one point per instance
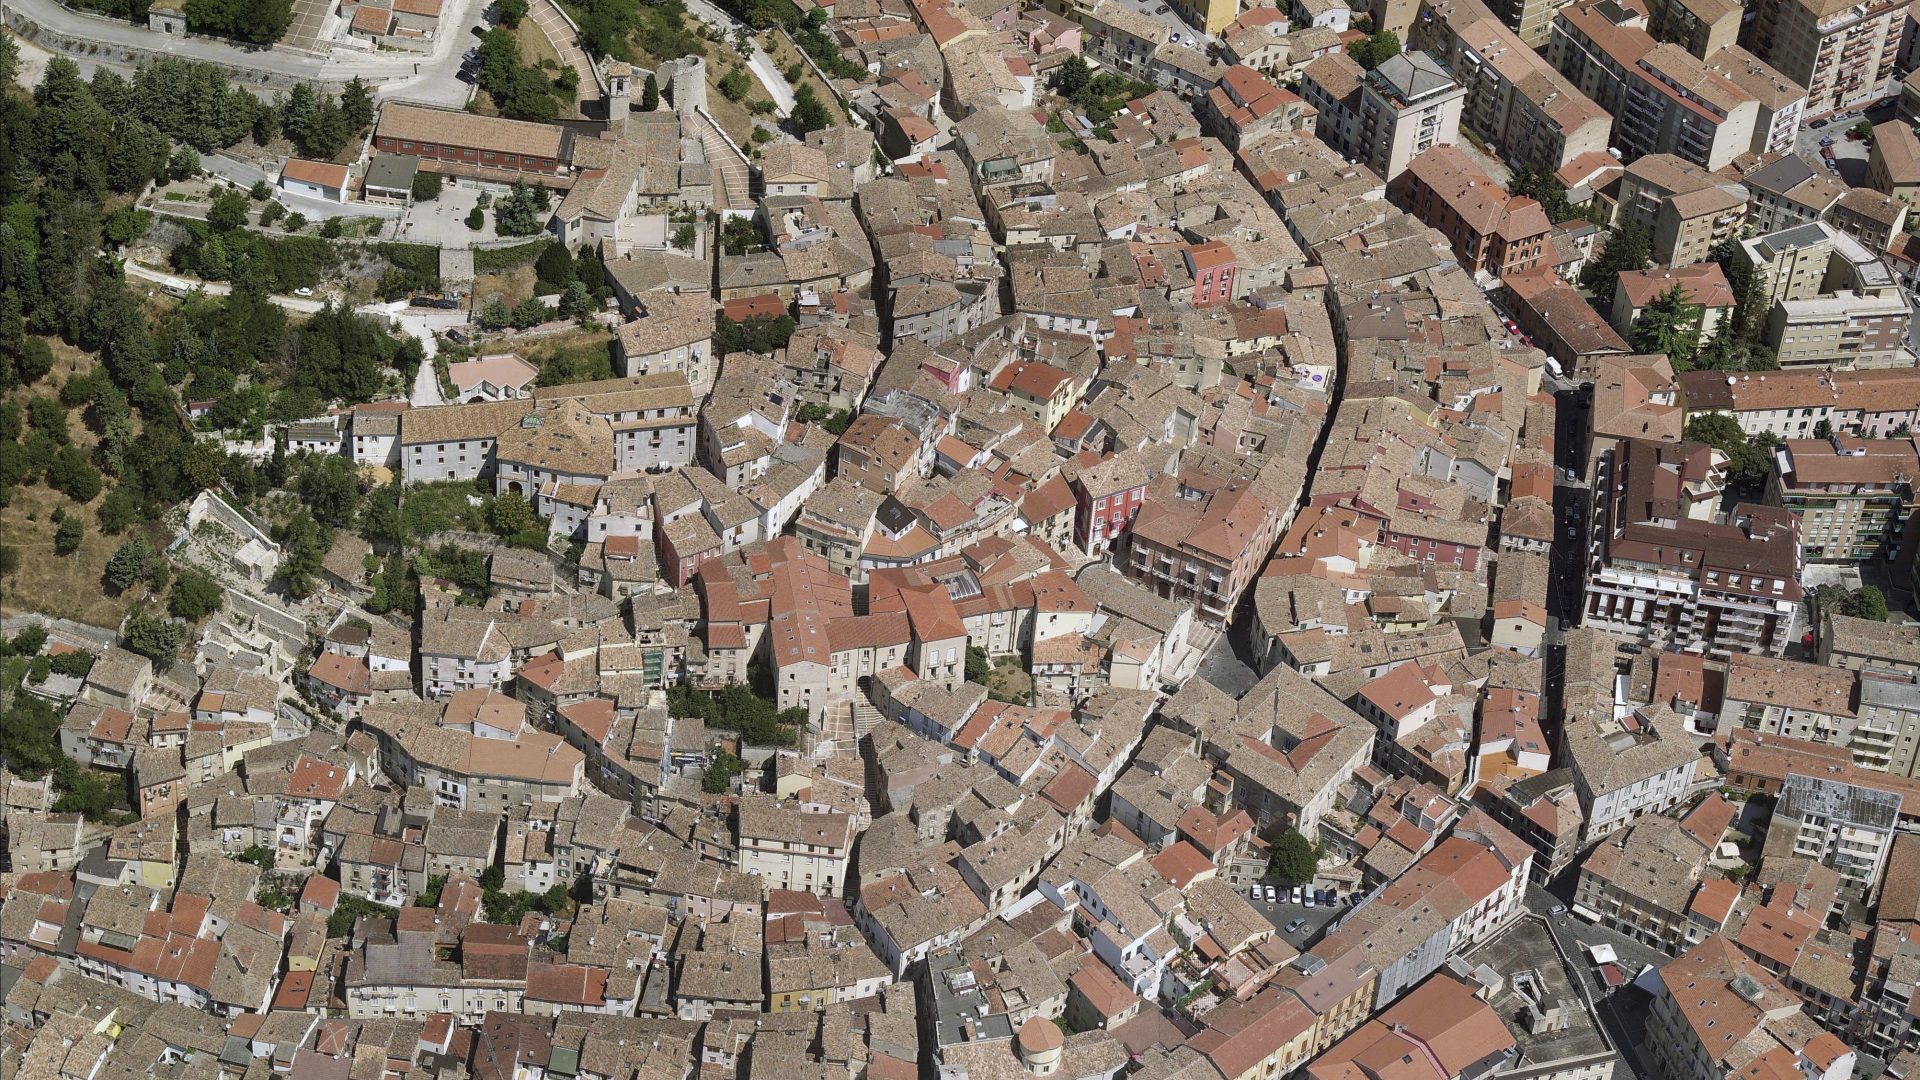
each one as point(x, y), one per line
point(1298, 894)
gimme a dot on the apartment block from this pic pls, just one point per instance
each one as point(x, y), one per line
point(1684, 208)
point(1844, 826)
point(1516, 102)
point(1852, 496)
point(1667, 570)
point(1664, 100)
point(1843, 53)
point(1388, 116)
point(1793, 404)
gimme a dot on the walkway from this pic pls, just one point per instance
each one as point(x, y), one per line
point(732, 177)
point(758, 62)
point(565, 37)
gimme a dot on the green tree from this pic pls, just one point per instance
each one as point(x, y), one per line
point(184, 163)
point(809, 114)
point(1748, 459)
point(1295, 859)
point(426, 186)
point(1627, 248)
point(1375, 49)
point(523, 212)
point(1669, 325)
point(257, 22)
point(153, 636)
point(554, 266)
point(66, 538)
point(195, 595)
point(229, 211)
point(684, 235)
point(735, 84)
point(350, 910)
point(329, 487)
point(740, 236)
point(129, 563)
point(718, 776)
point(576, 302)
point(650, 94)
point(510, 12)
point(1071, 78)
point(476, 219)
point(978, 664)
point(1866, 602)
point(356, 103)
point(511, 514)
point(496, 315)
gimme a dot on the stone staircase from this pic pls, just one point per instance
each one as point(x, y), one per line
point(733, 178)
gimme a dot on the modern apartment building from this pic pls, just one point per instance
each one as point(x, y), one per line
point(1664, 100)
point(1388, 116)
point(1493, 232)
point(1524, 110)
point(1834, 302)
point(1684, 208)
point(1853, 496)
point(1840, 825)
point(1842, 51)
point(1667, 570)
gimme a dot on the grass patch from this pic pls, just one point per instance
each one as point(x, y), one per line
point(581, 355)
point(1006, 682)
point(63, 586)
point(430, 508)
point(494, 260)
point(785, 56)
point(512, 286)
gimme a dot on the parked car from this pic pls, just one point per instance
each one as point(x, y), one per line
point(454, 335)
point(464, 75)
point(1297, 893)
point(1294, 926)
point(1826, 140)
point(1557, 911)
point(1306, 899)
point(1324, 896)
point(1818, 124)
point(1272, 895)
point(303, 291)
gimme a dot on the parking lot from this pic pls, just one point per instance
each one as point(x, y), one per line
point(1849, 155)
point(443, 221)
point(1317, 919)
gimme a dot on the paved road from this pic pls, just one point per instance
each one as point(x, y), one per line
point(424, 76)
point(759, 62)
point(299, 304)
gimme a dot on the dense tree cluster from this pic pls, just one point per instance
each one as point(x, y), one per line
point(520, 91)
point(758, 334)
point(738, 708)
point(257, 22)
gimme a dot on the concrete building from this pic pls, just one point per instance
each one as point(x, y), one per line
point(1683, 207)
point(1793, 404)
point(1516, 102)
point(1840, 825)
point(1852, 496)
point(1717, 1013)
point(1388, 116)
point(1668, 570)
point(1843, 53)
point(1664, 100)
